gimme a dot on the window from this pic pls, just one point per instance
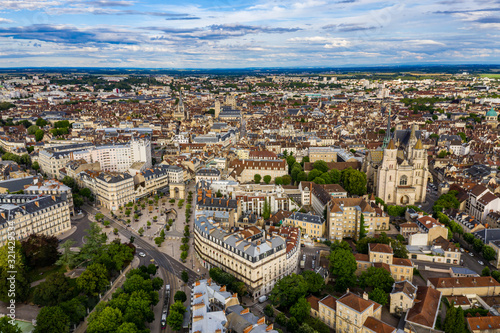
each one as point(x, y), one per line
point(403, 180)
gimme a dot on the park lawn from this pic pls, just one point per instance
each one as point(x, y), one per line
point(34, 275)
point(491, 76)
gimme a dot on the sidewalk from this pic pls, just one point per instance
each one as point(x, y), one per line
point(67, 233)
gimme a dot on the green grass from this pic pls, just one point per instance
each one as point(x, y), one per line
point(34, 275)
point(491, 76)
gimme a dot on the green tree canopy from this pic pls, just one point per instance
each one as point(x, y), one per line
point(321, 166)
point(315, 281)
point(288, 290)
point(57, 288)
point(180, 296)
point(257, 178)
point(106, 321)
point(377, 277)
point(342, 266)
point(378, 295)
point(267, 179)
point(300, 309)
point(40, 250)
point(52, 319)
point(7, 327)
point(93, 280)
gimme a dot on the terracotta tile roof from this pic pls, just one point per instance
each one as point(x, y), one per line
point(313, 300)
point(330, 302)
point(357, 303)
point(404, 286)
point(382, 265)
point(382, 248)
point(426, 306)
point(408, 225)
point(464, 282)
point(402, 262)
point(491, 323)
point(361, 257)
point(458, 300)
point(378, 326)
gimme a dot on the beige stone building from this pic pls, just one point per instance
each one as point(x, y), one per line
point(110, 189)
point(399, 176)
point(327, 154)
point(480, 286)
point(312, 226)
point(327, 310)
point(22, 215)
point(344, 218)
point(252, 255)
point(245, 170)
point(423, 315)
point(52, 187)
point(382, 256)
point(353, 311)
point(402, 296)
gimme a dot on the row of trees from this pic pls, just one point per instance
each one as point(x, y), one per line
point(131, 306)
point(225, 279)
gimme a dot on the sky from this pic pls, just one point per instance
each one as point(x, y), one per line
point(241, 34)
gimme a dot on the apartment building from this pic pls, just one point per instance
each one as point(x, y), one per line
point(354, 311)
point(312, 226)
point(207, 174)
point(32, 214)
point(52, 187)
point(252, 255)
point(423, 314)
point(209, 302)
point(110, 189)
point(150, 180)
point(245, 170)
point(430, 229)
point(481, 202)
point(402, 297)
point(344, 218)
point(440, 251)
point(382, 255)
point(480, 286)
point(116, 157)
point(327, 154)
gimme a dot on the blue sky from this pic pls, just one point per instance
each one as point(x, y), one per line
point(239, 33)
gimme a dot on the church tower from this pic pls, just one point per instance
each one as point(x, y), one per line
point(386, 181)
point(217, 108)
point(420, 169)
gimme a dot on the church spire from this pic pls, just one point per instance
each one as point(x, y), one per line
point(388, 131)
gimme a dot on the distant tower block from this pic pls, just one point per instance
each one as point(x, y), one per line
point(217, 108)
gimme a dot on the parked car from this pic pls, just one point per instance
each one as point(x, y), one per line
point(262, 299)
point(142, 254)
point(461, 249)
point(471, 254)
point(480, 262)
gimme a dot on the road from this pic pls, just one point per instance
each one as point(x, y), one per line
point(81, 225)
point(162, 259)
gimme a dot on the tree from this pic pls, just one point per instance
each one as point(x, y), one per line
point(41, 122)
point(342, 266)
point(300, 310)
point(335, 176)
point(70, 182)
point(75, 309)
point(159, 240)
point(454, 321)
point(321, 166)
point(141, 231)
point(267, 179)
point(52, 319)
point(362, 227)
point(315, 281)
point(478, 245)
point(180, 296)
point(286, 179)
point(39, 134)
point(313, 174)
point(7, 327)
point(442, 154)
point(288, 290)
point(378, 295)
point(32, 129)
point(106, 321)
point(127, 328)
point(175, 320)
point(94, 242)
point(85, 192)
point(269, 311)
point(21, 277)
point(257, 178)
point(278, 181)
point(488, 253)
point(354, 181)
point(377, 277)
point(35, 166)
point(292, 325)
point(290, 160)
point(184, 276)
point(486, 271)
point(93, 280)
point(40, 250)
point(56, 289)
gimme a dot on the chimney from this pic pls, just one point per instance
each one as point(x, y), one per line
point(347, 291)
point(365, 295)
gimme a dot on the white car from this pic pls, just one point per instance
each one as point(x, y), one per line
point(471, 254)
point(142, 254)
point(480, 262)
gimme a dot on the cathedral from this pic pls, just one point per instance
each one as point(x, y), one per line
point(181, 113)
point(398, 173)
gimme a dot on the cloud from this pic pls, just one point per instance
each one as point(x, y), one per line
point(217, 32)
point(183, 18)
point(106, 3)
point(4, 20)
point(67, 34)
point(330, 41)
point(28, 5)
point(348, 27)
point(423, 42)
